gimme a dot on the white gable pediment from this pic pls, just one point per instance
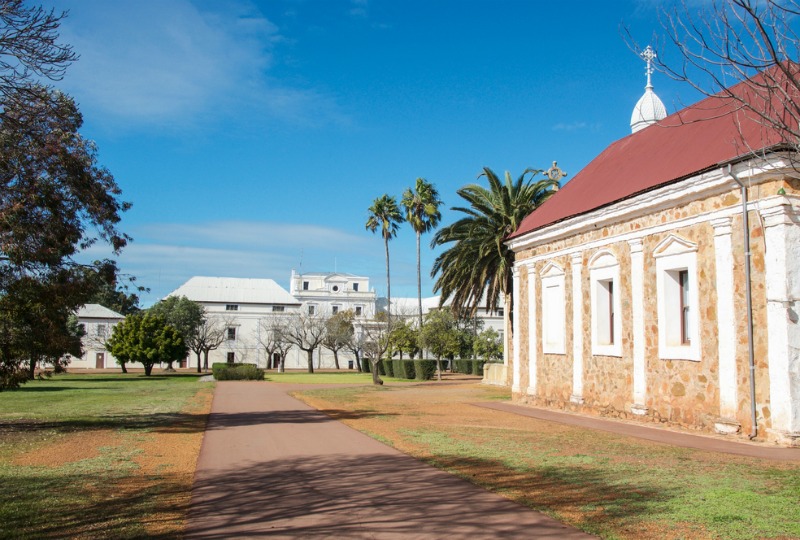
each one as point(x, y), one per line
point(603, 259)
point(551, 269)
point(674, 245)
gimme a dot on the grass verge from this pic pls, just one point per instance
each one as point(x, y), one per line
point(99, 456)
point(328, 377)
point(605, 484)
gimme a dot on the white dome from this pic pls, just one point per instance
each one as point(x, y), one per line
point(649, 110)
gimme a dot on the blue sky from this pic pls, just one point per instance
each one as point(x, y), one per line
point(252, 136)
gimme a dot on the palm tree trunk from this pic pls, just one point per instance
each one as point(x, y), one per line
point(388, 282)
point(419, 282)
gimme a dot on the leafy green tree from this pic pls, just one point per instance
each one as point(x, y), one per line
point(339, 332)
point(116, 296)
point(147, 339)
point(440, 336)
point(38, 326)
point(404, 339)
point(384, 214)
point(477, 263)
point(488, 345)
point(183, 314)
point(422, 213)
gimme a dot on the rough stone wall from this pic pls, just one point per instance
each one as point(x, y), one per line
point(678, 391)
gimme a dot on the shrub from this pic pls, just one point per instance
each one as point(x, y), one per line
point(216, 367)
point(388, 367)
point(366, 365)
point(404, 369)
point(243, 372)
point(463, 366)
point(424, 369)
point(477, 367)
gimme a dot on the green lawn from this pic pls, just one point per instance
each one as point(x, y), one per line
point(57, 483)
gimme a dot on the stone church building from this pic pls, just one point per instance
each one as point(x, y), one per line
point(661, 283)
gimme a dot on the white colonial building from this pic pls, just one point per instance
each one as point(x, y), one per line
point(241, 305)
point(97, 322)
point(330, 293)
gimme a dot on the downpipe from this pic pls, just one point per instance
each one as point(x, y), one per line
point(749, 295)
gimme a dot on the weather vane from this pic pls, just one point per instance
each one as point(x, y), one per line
point(648, 55)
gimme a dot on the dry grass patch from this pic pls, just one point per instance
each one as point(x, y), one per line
point(603, 483)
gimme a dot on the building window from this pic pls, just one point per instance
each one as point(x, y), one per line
point(335, 309)
point(355, 287)
point(683, 282)
point(231, 357)
point(277, 309)
point(553, 314)
point(335, 288)
point(100, 330)
point(606, 301)
point(312, 310)
point(677, 296)
point(305, 285)
point(231, 333)
point(358, 311)
point(231, 307)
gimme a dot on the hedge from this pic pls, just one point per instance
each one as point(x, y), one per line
point(243, 372)
point(469, 366)
point(404, 369)
point(388, 367)
point(424, 369)
point(477, 367)
point(462, 366)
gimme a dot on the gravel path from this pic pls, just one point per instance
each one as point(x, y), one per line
point(271, 466)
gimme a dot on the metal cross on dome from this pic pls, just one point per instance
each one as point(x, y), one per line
point(648, 55)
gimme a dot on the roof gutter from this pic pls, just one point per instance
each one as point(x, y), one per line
point(749, 295)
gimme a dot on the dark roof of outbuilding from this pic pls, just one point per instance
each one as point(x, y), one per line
point(715, 131)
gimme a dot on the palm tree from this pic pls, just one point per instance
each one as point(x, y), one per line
point(384, 214)
point(422, 212)
point(478, 264)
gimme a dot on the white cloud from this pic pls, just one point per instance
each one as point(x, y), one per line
point(164, 256)
point(151, 62)
point(255, 235)
point(575, 126)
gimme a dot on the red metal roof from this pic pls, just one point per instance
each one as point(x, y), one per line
point(701, 137)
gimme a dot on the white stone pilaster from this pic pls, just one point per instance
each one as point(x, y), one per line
point(577, 329)
point(515, 378)
point(726, 326)
point(782, 274)
point(637, 315)
point(533, 305)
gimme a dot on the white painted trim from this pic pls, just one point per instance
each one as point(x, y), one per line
point(782, 273)
point(577, 328)
point(676, 254)
point(554, 319)
point(532, 332)
point(515, 381)
point(603, 268)
point(638, 335)
point(709, 184)
point(726, 318)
